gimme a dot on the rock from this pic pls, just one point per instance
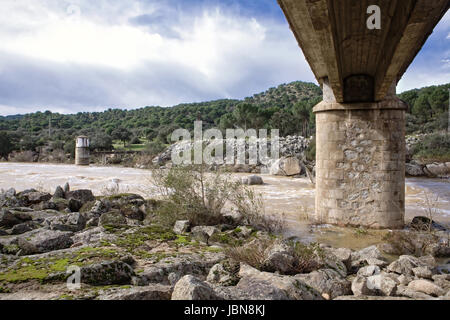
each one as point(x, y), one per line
point(405, 242)
point(24, 227)
point(93, 236)
point(279, 258)
point(203, 233)
point(107, 273)
point(112, 219)
point(369, 298)
point(405, 265)
point(9, 219)
point(74, 205)
point(59, 193)
point(343, 254)
point(286, 166)
point(414, 170)
point(369, 271)
point(233, 218)
point(243, 232)
point(224, 274)
point(382, 284)
point(404, 280)
point(404, 291)
point(81, 195)
point(360, 288)
point(437, 170)
point(193, 264)
point(100, 207)
point(191, 288)
point(426, 287)
point(36, 197)
point(422, 272)
point(367, 256)
point(73, 222)
point(253, 180)
point(181, 226)
point(264, 283)
point(153, 292)
point(442, 281)
point(426, 224)
point(43, 240)
point(328, 282)
point(133, 213)
point(66, 187)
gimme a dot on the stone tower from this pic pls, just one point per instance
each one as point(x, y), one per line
point(82, 155)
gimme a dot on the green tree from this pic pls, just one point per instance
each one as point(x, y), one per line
point(122, 134)
point(6, 145)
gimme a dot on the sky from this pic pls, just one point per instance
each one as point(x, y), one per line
point(84, 55)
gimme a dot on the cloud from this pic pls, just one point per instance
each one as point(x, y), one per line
point(139, 55)
point(81, 55)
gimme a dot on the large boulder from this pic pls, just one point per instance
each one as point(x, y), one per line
point(328, 282)
point(154, 292)
point(383, 284)
point(181, 226)
point(191, 288)
point(426, 287)
point(252, 180)
point(34, 197)
point(360, 287)
point(81, 195)
point(414, 170)
point(438, 169)
point(43, 240)
point(287, 166)
point(367, 256)
point(279, 258)
point(406, 264)
point(112, 219)
point(107, 273)
point(261, 283)
point(204, 233)
point(224, 274)
point(9, 219)
point(73, 222)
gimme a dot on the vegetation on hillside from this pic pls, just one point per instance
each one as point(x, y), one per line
point(287, 108)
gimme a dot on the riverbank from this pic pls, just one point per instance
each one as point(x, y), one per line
point(121, 252)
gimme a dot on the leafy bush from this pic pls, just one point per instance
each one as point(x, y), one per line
point(434, 147)
point(190, 193)
point(307, 258)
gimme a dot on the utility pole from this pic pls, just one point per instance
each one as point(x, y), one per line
point(50, 126)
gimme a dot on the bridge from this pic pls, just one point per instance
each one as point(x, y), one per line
point(358, 50)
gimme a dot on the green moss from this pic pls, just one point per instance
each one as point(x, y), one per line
point(27, 269)
point(4, 290)
point(137, 239)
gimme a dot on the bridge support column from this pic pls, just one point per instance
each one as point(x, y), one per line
point(360, 162)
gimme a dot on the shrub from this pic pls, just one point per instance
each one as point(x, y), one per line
point(306, 257)
point(434, 147)
point(311, 150)
point(190, 193)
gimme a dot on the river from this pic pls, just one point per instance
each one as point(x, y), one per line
point(282, 195)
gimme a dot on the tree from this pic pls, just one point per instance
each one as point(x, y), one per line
point(101, 142)
point(244, 113)
point(6, 145)
point(422, 108)
point(122, 134)
point(302, 112)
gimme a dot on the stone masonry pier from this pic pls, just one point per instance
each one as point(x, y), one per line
point(358, 51)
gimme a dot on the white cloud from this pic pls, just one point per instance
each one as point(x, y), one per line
point(209, 55)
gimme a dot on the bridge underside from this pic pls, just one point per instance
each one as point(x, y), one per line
point(361, 123)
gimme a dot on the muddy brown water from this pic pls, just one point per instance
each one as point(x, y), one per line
point(293, 198)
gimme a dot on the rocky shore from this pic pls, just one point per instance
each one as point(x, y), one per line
point(122, 254)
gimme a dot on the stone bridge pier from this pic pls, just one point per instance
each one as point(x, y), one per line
point(358, 51)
